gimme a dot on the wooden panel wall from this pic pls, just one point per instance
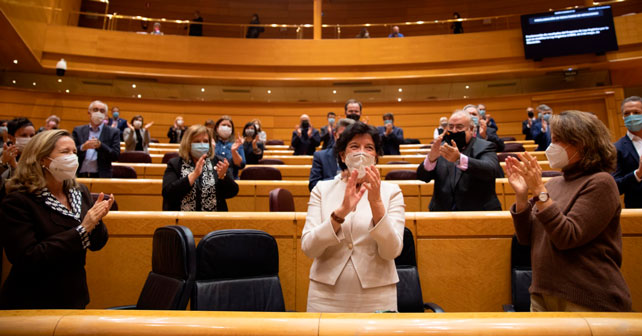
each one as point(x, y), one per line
point(418, 119)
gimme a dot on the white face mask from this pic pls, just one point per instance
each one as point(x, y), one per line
point(179, 122)
point(97, 118)
point(64, 167)
point(557, 156)
point(359, 161)
point(138, 124)
point(224, 131)
point(21, 142)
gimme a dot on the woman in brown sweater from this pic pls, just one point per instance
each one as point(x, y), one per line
point(572, 222)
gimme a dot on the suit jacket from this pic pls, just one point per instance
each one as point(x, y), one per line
point(326, 137)
point(372, 247)
point(491, 136)
point(542, 139)
point(304, 145)
point(527, 130)
point(391, 142)
point(121, 125)
point(130, 139)
point(46, 252)
point(628, 161)
point(324, 167)
point(176, 187)
point(108, 151)
point(470, 190)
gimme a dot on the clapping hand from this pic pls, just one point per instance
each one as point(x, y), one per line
point(149, 125)
point(352, 195)
point(449, 152)
point(198, 170)
point(483, 125)
point(388, 129)
point(97, 212)
point(237, 143)
point(373, 184)
point(221, 168)
point(435, 149)
point(9, 154)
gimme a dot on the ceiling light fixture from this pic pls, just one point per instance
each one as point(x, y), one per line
point(140, 96)
point(334, 91)
point(202, 89)
point(400, 90)
point(34, 83)
point(133, 86)
point(15, 61)
point(59, 80)
point(13, 81)
point(269, 91)
point(467, 87)
point(399, 100)
point(67, 90)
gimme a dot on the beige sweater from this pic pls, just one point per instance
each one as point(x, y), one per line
point(576, 243)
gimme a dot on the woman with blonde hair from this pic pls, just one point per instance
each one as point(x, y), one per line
point(572, 222)
point(197, 180)
point(49, 221)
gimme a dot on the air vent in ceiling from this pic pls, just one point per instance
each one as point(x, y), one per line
point(431, 97)
point(302, 100)
point(236, 91)
point(502, 85)
point(98, 83)
point(137, 79)
point(367, 91)
point(351, 83)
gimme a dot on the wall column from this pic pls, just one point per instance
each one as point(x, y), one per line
point(317, 19)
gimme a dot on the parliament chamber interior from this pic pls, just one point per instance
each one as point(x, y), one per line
point(159, 61)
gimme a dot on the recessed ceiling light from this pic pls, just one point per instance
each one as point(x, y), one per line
point(13, 81)
point(202, 89)
point(400, 90)
point(59, 80)
point(140, 96)
point(15, 61)
point(399, 99)
point(465, 97)
point(34, 83)
point(269, 91)
point(67, 90)
point(467, 87)
point(334, 91)
point(133, 86)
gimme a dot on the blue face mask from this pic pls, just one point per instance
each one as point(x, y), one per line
point(199, 149)
point(476, 120)
point(115, 115)
point(546, 116)
point(387, 121)
point(633, 122)
point(482, 113)
point(331, 120)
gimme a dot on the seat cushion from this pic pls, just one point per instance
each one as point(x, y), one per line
point(248, 294)
point(161, 293)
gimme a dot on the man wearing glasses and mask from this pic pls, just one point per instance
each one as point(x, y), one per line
point(464, 168)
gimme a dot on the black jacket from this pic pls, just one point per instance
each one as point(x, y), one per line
point(628, 161)
point(46, 252)
point(176, 187)
point(470, 190)
point(108, 151)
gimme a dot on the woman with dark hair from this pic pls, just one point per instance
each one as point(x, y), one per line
point(354, 231)
point(227, 146)
point(49, 221)
point(136, 136)
point(572, 222)
point(254, 31)
point(252, 147)
point(197, 180)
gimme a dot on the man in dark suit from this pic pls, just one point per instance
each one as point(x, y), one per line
point(324, 162)
point(305, 138)
point(628, 174)
point(327, 132)
point(116, 121)
point(540, 130)
point(483, 131)
point(98, 145)
point(391, 135)
point(463, 167)
point(528, 123)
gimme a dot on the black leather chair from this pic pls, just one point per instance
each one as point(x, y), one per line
point(514, 147)
point(171, 281)
point(510, 138)
point(520, 277)
point(238, 271)
point(271, 162)
point(501, 157)
point(401, 174)
point(114, 206)
point(281, 200)
point(134, 157)
point(411, 141)
point(261, 173)
point(274, 142)
point(168, 156)
point(123, 172)
point(409, 296)
point(397, 162)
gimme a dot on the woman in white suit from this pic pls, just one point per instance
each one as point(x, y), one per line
point(354, 231)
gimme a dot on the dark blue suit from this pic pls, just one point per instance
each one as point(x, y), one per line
point(541, 139)
point(391, 142)
point(108, 151)
point(324, 167)
point(628, 161)
point(121, 125)
point(304, 145)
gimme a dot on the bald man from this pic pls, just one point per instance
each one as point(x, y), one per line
point(305, 138)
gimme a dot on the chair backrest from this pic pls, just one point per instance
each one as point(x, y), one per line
point(114, 206)
point(409, 296)
point(123, 172)
point(261, 173)
point(401, 174)
point(509, 138)
point(521, 275)
point(168, 156)
point(281, 200)
point(274, 142)
point(397, 162)
point(411, 141)
point(426, 146)
point(271, 162)
point(237, 271)
point(501, 157)
point(514, 147)
point(551, 173)
point(170, 283)
point(135, 157)
point(154, 140)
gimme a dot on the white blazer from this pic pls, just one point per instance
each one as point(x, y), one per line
point(372, 247)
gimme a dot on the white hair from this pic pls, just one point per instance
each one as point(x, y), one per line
point(97, 102)
point(464, 114)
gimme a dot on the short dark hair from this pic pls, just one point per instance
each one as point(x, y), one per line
point(218, 122)
point(352, 101)
point(329, 113)
point(136, 117)
point(209, 122)
point(350, 132)
point(16, 124)
point(250, 124)
point(628, 100)
point(389, 115)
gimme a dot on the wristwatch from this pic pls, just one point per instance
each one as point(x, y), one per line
point(543, 197)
